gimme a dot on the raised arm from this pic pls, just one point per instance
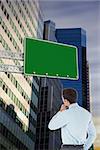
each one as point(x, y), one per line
point(58, 120)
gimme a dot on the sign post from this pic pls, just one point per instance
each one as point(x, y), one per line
point(51, 59)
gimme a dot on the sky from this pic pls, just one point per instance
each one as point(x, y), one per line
point(84, 14)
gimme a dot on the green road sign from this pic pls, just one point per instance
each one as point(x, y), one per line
point(51, 59)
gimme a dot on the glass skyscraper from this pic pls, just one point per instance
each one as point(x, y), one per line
point(49, 103)
point(18, 93)
point(77, 37)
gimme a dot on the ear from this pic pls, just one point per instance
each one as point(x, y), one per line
point(65, 100)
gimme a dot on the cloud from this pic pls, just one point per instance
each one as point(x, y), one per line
point(75, 14)
point(84, 14)
point(69, 7)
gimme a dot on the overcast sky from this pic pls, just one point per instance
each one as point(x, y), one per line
point(84, 14)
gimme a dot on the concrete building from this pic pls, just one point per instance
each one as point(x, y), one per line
point(18, 93)
point(49, 103)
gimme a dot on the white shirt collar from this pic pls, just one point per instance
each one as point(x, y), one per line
point(73, 105)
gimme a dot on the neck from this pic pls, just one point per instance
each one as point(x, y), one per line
point(73, 104)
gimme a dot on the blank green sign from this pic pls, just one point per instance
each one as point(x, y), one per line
point(45, 58)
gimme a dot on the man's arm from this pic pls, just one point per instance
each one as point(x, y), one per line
point(59, 120)
point(91, 135)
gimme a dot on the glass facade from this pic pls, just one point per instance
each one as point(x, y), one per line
point(18, 93)
point(49, 103)
point(77, 37)
point(49, 33)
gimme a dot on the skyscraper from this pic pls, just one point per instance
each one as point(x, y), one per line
point(88, 87)
point(49, 103)
point(77, 37)
point(49, 31)
point(18, 93)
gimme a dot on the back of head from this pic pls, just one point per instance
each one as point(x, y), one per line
point(70, 95)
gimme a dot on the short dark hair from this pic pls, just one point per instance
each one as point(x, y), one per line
point(70, 95)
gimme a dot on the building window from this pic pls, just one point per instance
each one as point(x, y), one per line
point(3, 87)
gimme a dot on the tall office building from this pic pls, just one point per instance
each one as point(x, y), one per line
point(88, 87)
point(49, 31)
point(18, 93)
point(49, 103)
point(77, 37)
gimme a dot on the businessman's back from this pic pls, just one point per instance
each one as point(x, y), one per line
point(75, 124)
